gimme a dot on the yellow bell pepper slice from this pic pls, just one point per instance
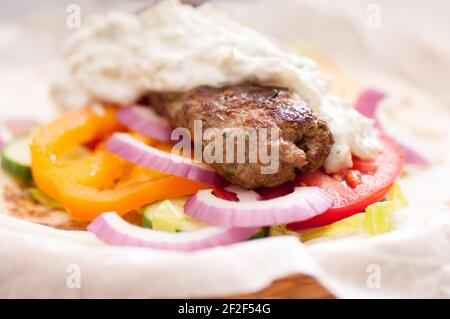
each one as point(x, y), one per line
point(101, 181)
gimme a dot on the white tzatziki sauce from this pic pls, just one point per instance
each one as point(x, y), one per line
point(120, 56)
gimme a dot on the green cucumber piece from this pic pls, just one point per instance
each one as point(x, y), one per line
point(16, 158)
point(263, 232)
point(146, 221)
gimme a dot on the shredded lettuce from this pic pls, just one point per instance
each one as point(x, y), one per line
point(281, 230)
point(346, 227)
point(376, 219)
point(168, 215)
point(44, 199)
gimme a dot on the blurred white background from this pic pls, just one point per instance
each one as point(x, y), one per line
point(411, 41)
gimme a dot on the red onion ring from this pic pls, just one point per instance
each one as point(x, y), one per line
point(145, 121)
point(113, 230)
point(304, 203)
point(127, 147)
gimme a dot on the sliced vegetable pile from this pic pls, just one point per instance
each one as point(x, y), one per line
point(100, 163)
point(376, 219)
point(101, 181)
point(355, 189)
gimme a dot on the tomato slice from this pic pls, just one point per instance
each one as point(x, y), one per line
point(376, 179)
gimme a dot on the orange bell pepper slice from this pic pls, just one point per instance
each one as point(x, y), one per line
point(101, 181)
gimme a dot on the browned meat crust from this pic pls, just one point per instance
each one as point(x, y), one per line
point(305, 141)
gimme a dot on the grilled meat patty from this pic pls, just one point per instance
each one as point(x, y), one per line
point(304, 140)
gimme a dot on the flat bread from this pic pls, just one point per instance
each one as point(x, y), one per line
point(16, 201)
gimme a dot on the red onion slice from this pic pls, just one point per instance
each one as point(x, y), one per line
point(145, 121)
point(304, 203)
point(134, 151)
point(113, 230)
point(2, 141)
point(367, 104)
point(412, 157)
point(15, 127)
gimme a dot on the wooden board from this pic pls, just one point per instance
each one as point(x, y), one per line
point(295, 286)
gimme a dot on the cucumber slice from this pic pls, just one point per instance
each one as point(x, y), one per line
point(16, 158)
point(146, 221)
